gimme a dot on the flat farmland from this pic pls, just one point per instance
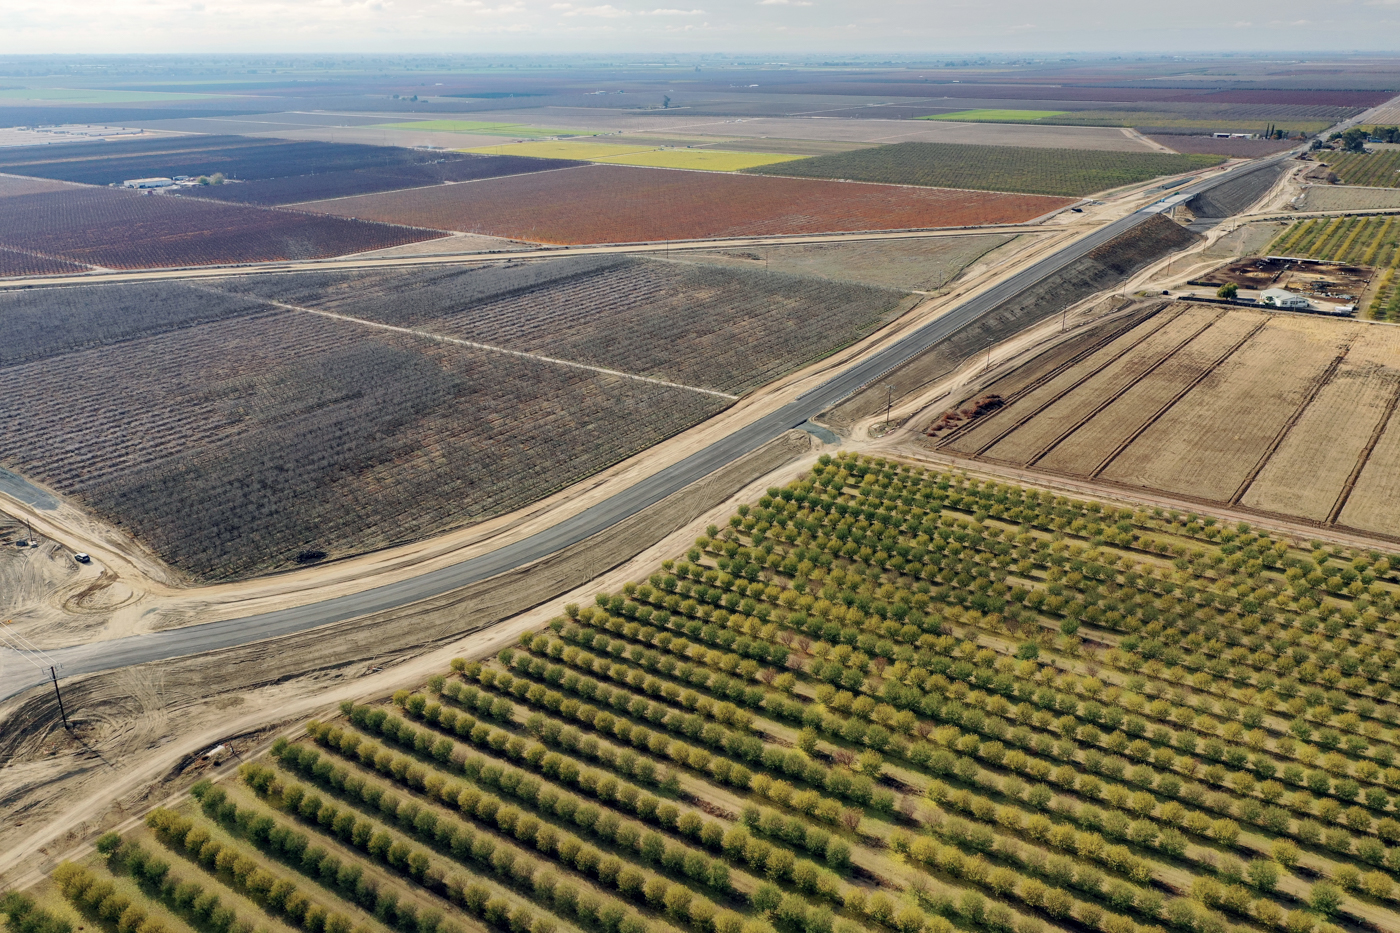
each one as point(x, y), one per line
point(17, 262)
point(655, 155)
point(1348, 198)
point(868, 130)
point(119, 229)
point(242, 445)
point(1135, 408)
point(1068, 172)
point(1057, 411)
point(921, 264)
point(348, 182)
point(1286, 415)
point(235, 427)
point(1204, 445)
point(1233, 148)
point(1317, 457)
point(1374, 503)
point(717, 328)
point(14, 185)
point(621, 204)
point(238, 157)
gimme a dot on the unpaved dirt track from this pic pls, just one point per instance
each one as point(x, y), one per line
point(211, 636)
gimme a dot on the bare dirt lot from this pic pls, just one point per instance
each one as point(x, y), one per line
point(1324, 280)
point(1286, 415)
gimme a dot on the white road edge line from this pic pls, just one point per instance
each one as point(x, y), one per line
point(490, 348)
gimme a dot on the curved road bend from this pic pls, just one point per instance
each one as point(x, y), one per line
point(209, 636)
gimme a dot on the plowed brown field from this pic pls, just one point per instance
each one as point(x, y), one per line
point(623, 204)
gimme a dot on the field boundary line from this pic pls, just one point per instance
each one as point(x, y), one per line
point(1078, 358)
point(1365, 456)
point(1171, 403)
point(1319, 382)
point(1068, 389)
point(490, 348)
point(38, 255)
point(1123, 390)
point(439, 184)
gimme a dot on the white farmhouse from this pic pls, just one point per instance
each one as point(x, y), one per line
point(1283, 298)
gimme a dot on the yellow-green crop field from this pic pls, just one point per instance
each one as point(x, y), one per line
point(713, 160)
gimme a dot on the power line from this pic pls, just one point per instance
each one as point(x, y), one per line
point(36, 656)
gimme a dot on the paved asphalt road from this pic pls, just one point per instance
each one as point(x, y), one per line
point(209, 636)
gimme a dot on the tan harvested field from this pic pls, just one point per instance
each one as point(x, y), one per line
point(1133, 410)
point(1207, 444)
point(1347, 198)
point(985, 434)
point(1374, 504)
point(1278, 414)
point(1118, 372)
point(1303, 476)
point(1245, 240)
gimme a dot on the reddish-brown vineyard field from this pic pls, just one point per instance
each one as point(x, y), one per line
point(622, 204)
point(124, 230)
point(1282, 414)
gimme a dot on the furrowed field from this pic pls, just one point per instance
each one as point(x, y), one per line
point(722, 329)
point(881, 698)
point(1072, 172)
point(118, 229)
point(1363, 241)
point(622, 204)
point(1156, 407)
point(235, 436)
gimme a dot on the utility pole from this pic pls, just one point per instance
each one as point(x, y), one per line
point(61, 711)
point(889, 401)
point(27, 650)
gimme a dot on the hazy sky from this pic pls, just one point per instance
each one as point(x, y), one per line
point(524, 26)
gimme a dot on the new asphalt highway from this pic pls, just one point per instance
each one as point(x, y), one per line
point(209, 636)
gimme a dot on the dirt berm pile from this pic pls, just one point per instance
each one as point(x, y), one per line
point(1237, 194)
point(1098, 270)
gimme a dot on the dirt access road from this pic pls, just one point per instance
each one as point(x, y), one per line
point(605, 514)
